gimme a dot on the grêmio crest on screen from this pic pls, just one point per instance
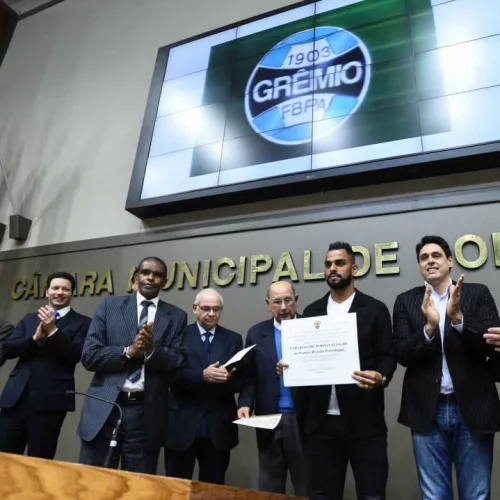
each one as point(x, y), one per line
point(315, 78)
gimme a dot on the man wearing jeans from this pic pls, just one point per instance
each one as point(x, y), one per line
point(449, 399)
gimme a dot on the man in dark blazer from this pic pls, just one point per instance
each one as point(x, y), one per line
point(449, 399)
point(202, 397)
point(133, 346)
point(49, 345)
point(280, 450)
point(5, 331)
point(345, 423)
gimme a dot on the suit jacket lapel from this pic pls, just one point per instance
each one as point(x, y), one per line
point(217, 346)
point(129, 313)
point(162, 318)
point(447, 321)
point(65, 319)
point(196, 344)
point(358, 305)
point(269, 343)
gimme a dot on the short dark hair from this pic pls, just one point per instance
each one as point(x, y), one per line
point(157, 259)
point(342, 245)
point(64, 275)
point(436, 240)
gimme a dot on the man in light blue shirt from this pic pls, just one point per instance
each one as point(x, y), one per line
point(280, 450)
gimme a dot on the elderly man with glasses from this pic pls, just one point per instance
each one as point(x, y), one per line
point(202, 401)
point(264, 393)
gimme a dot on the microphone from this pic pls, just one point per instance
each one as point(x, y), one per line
point(114, 436)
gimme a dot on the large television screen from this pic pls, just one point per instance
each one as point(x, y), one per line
point(316, 88)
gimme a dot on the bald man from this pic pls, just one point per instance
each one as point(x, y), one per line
point(264, 393)
point(202, 401)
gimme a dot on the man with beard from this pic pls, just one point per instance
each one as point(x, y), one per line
point(449, 399)
point(280, 449)
point(345, 423)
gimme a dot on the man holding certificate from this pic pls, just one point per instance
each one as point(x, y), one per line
point(345, 423)
point(280, 450)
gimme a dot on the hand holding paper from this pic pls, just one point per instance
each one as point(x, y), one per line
point(238, 357)
point(320, 351)
point(261, 421)
point(280, 367)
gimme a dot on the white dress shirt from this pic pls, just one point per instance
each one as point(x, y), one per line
point(334, 309)
point(203, 331)
point(138, 386)
point(441, 303)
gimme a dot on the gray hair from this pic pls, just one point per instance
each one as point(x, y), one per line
point(288, 282)
point(197, 298)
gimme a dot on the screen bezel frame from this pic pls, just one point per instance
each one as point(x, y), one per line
point(354, 174)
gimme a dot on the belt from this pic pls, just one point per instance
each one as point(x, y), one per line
point(130, 398)
point(447, 398)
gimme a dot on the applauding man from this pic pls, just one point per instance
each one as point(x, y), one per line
point(133, 346)
point(48, 344)
point(449, 400)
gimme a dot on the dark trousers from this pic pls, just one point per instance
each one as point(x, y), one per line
point(330, 449)
point(21, 426)
point(283, 453)
point(212, 463)
point(130, 454)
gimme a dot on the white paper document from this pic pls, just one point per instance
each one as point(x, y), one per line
point(238, 356)
point(261, 421)
point(320, 351)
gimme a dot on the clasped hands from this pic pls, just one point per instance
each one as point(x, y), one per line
point(47, 323)
point(367, 379)
point(144, 343)
point(453, 308)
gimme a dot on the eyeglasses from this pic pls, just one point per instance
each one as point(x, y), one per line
point(207, 309)
point(287, 301)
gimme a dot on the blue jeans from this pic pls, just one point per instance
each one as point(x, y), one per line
point(448, 443)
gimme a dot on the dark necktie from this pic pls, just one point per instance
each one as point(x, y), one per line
point(208, 345)
point(134, 373)
point(57, 316)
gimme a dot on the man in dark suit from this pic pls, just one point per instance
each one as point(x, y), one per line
point(49, 345)
point(345, 423)
point(133, 346)
point(5, 331)
point(202, 404)
point(280, 450)
point(449, 399)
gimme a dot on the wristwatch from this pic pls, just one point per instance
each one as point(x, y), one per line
point(384, 380)
point(125, 353)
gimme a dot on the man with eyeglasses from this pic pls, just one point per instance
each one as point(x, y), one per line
point(202, 401)
point(264, 393)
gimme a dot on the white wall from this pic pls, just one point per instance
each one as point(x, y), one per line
point(73, 90)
